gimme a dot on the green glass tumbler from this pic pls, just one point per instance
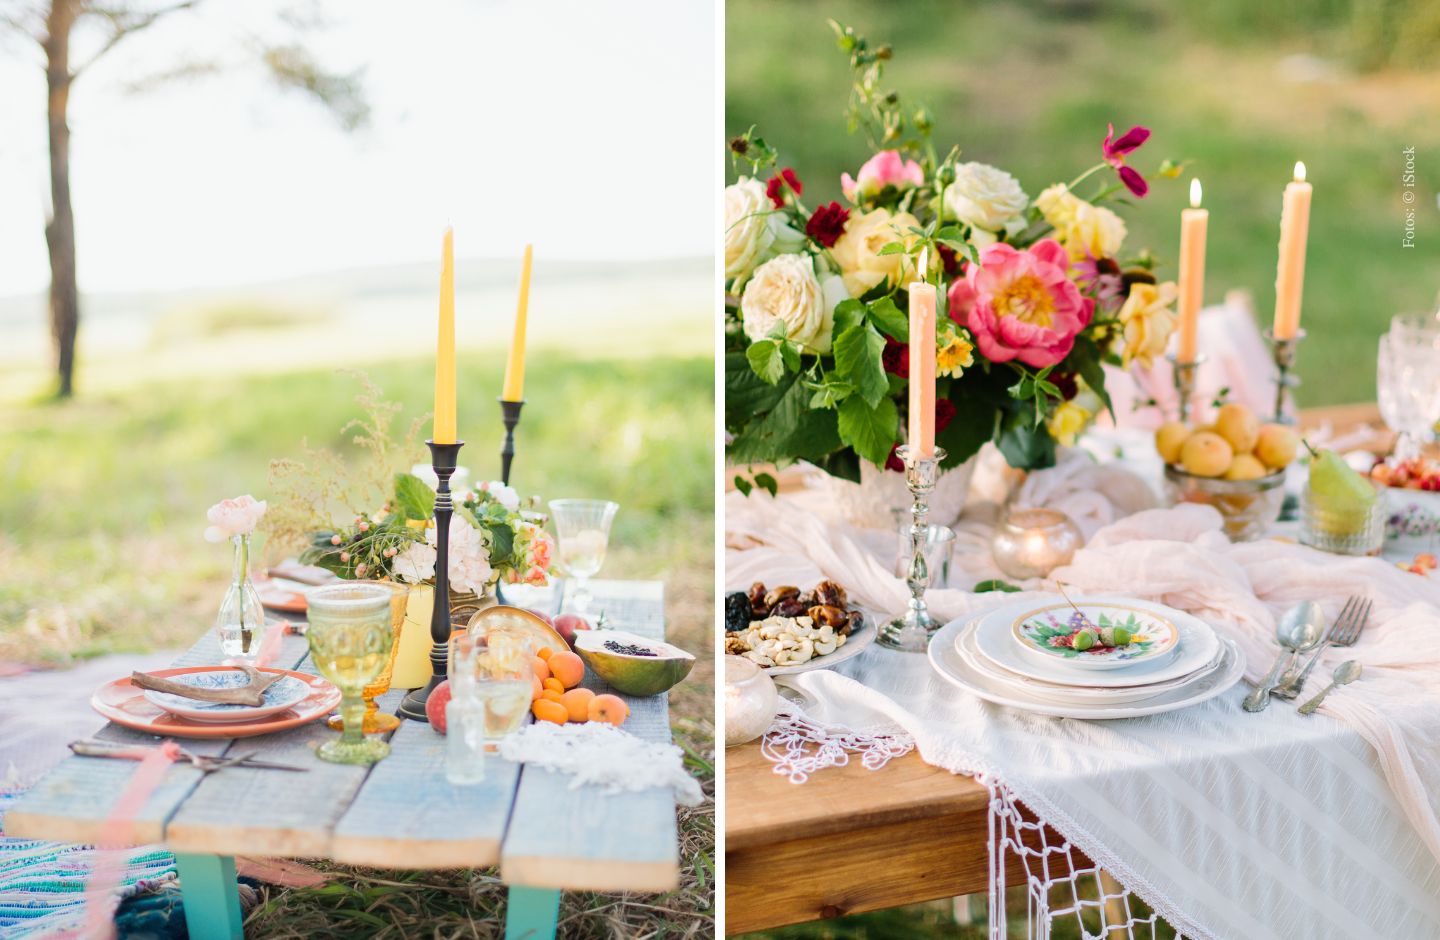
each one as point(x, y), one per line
point(350, 634)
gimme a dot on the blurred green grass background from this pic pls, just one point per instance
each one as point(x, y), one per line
point(1241, 89)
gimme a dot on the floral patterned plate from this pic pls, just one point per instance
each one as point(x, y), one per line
point(1095, 634)
point(281, 695)
point(123, 703)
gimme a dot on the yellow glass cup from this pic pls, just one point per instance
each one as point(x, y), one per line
point(376, 721)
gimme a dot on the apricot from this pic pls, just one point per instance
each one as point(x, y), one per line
point(542, 669)
point(1206, 454)
point(568, 668)
point(577, 701)
point(609, 708)
point(551, 695)
point(546, 710)
point(1169, 439)
point(553, 683)
point(545, 653)
point(1245, 467)
point(1239, 426)
point(1277, 446)
point(536, 688)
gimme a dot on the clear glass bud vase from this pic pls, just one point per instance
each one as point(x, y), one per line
point(241, 621)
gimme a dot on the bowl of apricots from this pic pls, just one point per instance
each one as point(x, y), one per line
point(1235, 464)
point(558, 696)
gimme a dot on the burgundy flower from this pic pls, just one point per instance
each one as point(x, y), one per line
point(827, 224)
point(944, 413)
point(1116, 150)
point(1067, 383)
point(950, 260)
point(893, 462)
point(896, 358)
point(775, 189)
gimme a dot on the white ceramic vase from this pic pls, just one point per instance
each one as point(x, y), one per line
point(872, 503)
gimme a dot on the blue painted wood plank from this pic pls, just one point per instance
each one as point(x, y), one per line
point(531, 913)
point(212, 899)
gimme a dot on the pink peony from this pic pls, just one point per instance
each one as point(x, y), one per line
point(886, 168)
point(231, 517)
point(1021, 304)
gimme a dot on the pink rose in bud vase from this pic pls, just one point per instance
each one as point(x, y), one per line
point(231, 517)
point(1021, 304)
point(886, 168)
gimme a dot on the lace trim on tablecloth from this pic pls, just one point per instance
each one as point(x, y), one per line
point(1064, 880)
point(798, 747)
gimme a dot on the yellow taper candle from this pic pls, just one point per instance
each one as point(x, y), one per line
point(1193, 224)
point(514, 387)
point(443, 430)
point(922, 363)
point(1290, 272)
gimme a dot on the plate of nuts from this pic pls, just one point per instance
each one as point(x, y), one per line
point(786, 630)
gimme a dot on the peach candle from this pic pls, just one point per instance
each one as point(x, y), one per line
point(922, 362)
point(443, 430)
point(1290, 272)
point(1194, 222)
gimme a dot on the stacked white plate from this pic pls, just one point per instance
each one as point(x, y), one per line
point(1023, 656)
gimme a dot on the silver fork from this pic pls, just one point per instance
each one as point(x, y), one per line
point(1343, 632)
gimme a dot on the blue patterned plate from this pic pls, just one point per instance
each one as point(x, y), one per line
point(281, 695)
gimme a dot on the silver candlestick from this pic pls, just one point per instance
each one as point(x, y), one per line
point(1284, 351)
point(911, 629)
point(1184, 373)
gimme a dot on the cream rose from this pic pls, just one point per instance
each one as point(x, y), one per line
point(984, 197)
point(1085, 230)
point(1148, 321)
point(862, 267)
point(754, 231)
point(785, 290)
point(231, 517)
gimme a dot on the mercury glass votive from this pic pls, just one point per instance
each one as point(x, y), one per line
point(750, 701)
point(1032, 542)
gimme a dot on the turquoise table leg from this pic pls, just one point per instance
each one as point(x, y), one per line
point(531, 913)
point(212, 899)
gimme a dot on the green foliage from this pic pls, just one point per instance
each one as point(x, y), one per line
point(413, 498)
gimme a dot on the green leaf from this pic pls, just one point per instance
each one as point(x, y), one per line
point(743, 485)
point(848, 313)
point(786, 431)
point(791, 354)
point(1025, 447)
point(985, 587)
point(870, 430)
point(893, 248)
point(890, 319)
point(414, 499)
point(830, 394)
point(766, 359)
point(1086, 358)
point(768, 483)
point(502, 541)
point(746, 395)
point(858, 361)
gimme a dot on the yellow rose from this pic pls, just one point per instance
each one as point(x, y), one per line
point(1147, 321)
point(785, 290)
point(857, 251)
point(1067, 422)
point(1084, 229)
point(954, 356)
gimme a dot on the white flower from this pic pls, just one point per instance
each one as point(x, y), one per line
point(416, 563)
point(502, 494)
point(754, 231)
point(784, 289)
point(469, 559)
point(985, 197)
point(231, 517)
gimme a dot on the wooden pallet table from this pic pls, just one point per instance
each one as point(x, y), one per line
point(400, 813)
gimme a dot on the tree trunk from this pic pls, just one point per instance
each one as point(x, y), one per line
point(60, 230)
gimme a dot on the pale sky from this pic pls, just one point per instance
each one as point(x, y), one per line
point(587, 128)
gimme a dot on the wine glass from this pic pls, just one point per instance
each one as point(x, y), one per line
point(376, 721)
point(1408, 381)
point(583, 530)
point(351, 634)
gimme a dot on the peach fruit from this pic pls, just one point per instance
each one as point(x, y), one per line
point(1245, 467)
point(1169, 439)
point(542, 669)
point(1239, 426)
point(1206, 454)
point(577, 702)
point(1277, 446)
point(607, 707)
point(568, 668)
point(546, 710)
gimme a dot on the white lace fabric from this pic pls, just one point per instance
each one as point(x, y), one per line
point(1227, 824)
point(603, 755)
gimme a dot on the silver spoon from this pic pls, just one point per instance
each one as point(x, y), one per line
point(1299, 629)
point(1345, 673)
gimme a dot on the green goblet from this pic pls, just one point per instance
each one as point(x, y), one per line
point(350, 636)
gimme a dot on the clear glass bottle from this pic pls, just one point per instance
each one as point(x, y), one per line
point(240, 623)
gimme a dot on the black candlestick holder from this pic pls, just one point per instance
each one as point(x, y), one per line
point(443, 458)
point(510, 414)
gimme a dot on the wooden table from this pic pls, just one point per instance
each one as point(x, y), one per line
point(398, 813)
point(852, 840)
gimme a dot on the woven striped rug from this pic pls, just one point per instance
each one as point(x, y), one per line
point(42, 886)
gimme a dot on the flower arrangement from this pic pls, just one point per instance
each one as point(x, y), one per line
point(1037, 293)
point(490, 537)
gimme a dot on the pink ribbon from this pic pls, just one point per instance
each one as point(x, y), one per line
point(116, 836)
point(270, 643)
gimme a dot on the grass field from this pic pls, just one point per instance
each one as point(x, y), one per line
point(1238, 88)
point(102, 504)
